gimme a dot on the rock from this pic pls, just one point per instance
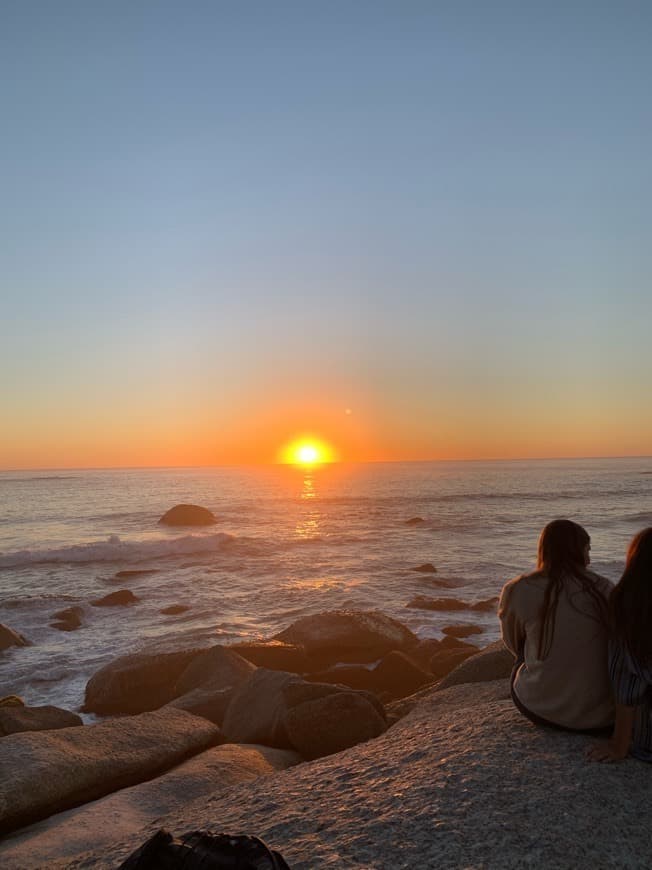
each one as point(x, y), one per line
point(426, 568)
point(174, 609)
point(462, 630)
point(136, 682)
point(463, 781)
point(424, 651)
point(398, 675)
point(349, 635)
point(15, 718)
point(211, 704)
point(68, 619)
point(414, 521)
point(332, 723)
point(299, 692)
point(494, 662)
point(257, 710)
point(422, 602)
point(450, 642)
point(11, 701)
point(274, 655)
point(215, 668)
point(9, 637)
point(201, 780)
point(188, 515)
point(44, 773)
point(135, 572)
point(353, 677)
point(119, 598)
point(444, 661)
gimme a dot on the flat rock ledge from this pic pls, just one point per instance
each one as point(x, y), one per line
point(462, 781)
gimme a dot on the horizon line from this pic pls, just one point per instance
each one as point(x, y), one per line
point(322, 464)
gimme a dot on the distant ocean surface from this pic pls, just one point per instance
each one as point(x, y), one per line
point(289, 542)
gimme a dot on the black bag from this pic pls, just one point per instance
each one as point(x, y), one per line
point(201, 850)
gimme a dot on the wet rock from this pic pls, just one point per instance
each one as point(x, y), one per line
point(423, 602)
point(136, 682)
point(20, 718)
point(11, 701)
point(426, 568)
point(274, 655)
point(450, 642)
point(174, 609)
point(9, 637)
point(349, 635)
point(414, 521)
point(68, 619)
point(494, 662)
point(188, 515)
point(135, 572)
point(119, 598)
point(462, 630)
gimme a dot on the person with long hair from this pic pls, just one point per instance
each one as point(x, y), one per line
point(630, 656)
point(554, 620)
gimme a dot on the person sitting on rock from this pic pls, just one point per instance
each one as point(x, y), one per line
point(554, 620)
point(630, 656)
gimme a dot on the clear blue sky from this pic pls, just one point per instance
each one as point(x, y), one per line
point(435, 214)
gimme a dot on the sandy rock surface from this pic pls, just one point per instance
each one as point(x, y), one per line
point(45, 772)
point(207, 775)
point(462, 781)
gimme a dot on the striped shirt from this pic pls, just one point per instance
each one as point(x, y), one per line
point(632, 685)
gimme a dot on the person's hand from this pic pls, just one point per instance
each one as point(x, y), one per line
point(606, 752)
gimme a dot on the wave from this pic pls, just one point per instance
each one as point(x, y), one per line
point(115, 550)
point(4, 479)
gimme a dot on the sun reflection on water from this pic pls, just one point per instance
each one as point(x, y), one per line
point(308, 526)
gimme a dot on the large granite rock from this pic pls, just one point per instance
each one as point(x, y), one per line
point(262, 708)
point(463, 781)
point(9, 637)
point(136, 682)
point(15, 718)
point(188, 515)
point(274, 655)
point(211, 704)
point(202, 779)
point(329, 724)
point(398, 675)
point(49, 771)
point(216, 668)
point(257, 710)
point(349, 635)
point(494, 662)
point(445, 660)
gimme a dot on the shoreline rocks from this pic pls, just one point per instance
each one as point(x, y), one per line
point(9, 638)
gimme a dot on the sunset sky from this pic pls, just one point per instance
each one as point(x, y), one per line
point(415, 230)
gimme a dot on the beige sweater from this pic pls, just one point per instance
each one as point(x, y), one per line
point(569, 687)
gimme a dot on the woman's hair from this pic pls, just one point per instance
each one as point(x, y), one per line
point(630, 603)
point(562, 554)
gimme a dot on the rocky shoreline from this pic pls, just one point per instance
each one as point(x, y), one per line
point(427, 764)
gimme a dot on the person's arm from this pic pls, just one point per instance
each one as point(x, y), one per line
point(511, 628)
point(617, 747)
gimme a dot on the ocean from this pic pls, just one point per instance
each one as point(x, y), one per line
point(289, 542)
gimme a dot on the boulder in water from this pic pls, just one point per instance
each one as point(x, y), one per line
point(414, 521)
point(174, 609)
point(426, 568)
point(120, 598)
point(188, 515)
point(68, 619)
point(215, 668)
point(9, 637)
point(461, 630)
point(274, 655)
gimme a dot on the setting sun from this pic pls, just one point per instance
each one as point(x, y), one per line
point(307, 451)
